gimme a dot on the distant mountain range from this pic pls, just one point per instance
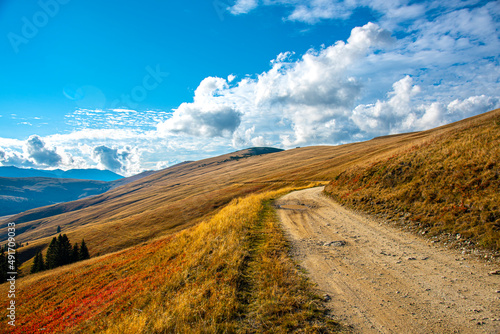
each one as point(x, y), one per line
point(77, 174)
point(24, 189)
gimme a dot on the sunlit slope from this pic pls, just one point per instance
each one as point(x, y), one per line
point(230, 273)
point(178, 197)
point(447, 185)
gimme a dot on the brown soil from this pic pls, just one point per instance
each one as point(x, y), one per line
point(383, 280)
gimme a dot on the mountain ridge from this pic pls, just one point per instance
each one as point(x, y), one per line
point(92, 174)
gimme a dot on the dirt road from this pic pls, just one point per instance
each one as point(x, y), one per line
point(382, 280)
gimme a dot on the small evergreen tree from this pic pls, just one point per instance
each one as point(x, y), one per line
point(75, 253)
point(38, 263)
point(34, 267)
point(41, 263)
point(65, 250)
point(59, 253)
point(58, 229)
point(84, 252)
point(52, 256)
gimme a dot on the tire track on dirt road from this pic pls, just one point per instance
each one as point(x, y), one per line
point(383, 280)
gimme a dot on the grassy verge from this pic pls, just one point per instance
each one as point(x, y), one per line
point(229, 274)
point(278, 299)
point(448, 186)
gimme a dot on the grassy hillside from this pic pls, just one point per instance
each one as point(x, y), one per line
point(181, 196)
point(197, 248)
point(230, 273)
point(447, 184)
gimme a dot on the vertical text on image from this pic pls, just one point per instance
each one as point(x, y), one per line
point(11, 273)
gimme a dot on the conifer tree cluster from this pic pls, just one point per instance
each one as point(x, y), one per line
point(59, 253)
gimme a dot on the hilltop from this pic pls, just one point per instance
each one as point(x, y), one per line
point(195, 247)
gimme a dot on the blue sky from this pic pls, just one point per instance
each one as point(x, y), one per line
point(132, 86)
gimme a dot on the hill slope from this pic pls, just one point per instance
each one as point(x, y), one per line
point(18, 194)
point(181, 196)
point(448, 184)
point(229, 274)
point(21, 194)
point(197, 252)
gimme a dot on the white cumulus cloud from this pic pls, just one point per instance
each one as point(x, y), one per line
point(420, 65)
point(243, 6)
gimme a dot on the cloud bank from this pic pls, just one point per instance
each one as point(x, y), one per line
point(416, 67)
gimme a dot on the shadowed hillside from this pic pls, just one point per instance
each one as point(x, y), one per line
point(21, 194)
point(18, 194)
point(76, 174)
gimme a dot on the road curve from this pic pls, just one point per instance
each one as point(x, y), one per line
point(383, 280)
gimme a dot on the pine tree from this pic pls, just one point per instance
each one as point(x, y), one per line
point(58, 229)
point(41, 263)
point(75, 253)
point(84, 252)
point(60, 252)
point(64, 249)
point(34, 267)
point(38, 264)
point(52, 257)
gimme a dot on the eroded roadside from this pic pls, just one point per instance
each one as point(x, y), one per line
point(383, 280)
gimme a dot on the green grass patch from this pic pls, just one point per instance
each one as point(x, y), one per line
point(278, 297)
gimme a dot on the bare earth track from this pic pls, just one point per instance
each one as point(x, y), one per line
point(382, 280)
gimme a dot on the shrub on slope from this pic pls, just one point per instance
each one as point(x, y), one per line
point(447, 184)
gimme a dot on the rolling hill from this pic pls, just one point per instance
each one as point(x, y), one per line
point(196, 247)
point(181, 196)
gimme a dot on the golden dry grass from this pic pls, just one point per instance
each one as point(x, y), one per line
point(199, 254)
point(229, 274)
point(448, 184)
point(181, 196)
